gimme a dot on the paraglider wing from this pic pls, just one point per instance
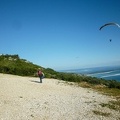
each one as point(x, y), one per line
point(109, 24)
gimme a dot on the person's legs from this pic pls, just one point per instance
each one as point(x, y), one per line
point(40, 79)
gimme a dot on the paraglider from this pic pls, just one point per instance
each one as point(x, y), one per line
point(116, 24)
point(107, 24)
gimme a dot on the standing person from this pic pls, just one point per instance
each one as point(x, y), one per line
point(41, 75)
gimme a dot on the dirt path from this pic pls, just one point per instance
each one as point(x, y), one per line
point(24, 98)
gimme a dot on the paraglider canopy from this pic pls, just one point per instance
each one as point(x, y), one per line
point(116, 24)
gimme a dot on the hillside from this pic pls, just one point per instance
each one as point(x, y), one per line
point(13, 64)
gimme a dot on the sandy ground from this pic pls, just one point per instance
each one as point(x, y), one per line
point(24, 98)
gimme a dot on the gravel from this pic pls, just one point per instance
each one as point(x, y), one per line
point(24, 98)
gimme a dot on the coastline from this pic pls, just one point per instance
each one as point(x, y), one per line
point(107, 73)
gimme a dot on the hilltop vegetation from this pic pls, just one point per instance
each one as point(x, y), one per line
point(13, 64)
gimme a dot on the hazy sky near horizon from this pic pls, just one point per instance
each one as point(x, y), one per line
point(61, 34)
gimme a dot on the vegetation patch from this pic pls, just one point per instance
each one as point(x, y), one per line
point(115, 105)
point(85, 85)
point(101, 113)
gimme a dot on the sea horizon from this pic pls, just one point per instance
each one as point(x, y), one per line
point(106, 72)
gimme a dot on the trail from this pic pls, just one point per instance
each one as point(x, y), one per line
point(24, 98)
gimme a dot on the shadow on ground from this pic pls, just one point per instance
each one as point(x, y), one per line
point(35, 81)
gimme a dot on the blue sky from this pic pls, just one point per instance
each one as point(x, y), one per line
point(61, 34)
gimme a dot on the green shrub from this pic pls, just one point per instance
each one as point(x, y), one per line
point(113, 84)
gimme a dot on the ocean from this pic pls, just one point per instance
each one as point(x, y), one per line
point(108, 73)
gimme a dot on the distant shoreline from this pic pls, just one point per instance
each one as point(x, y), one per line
point(107, 72)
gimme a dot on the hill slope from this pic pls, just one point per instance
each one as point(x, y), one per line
point(24, 98)
point(13, 64)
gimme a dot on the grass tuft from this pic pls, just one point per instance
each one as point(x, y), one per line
point(101, 113)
